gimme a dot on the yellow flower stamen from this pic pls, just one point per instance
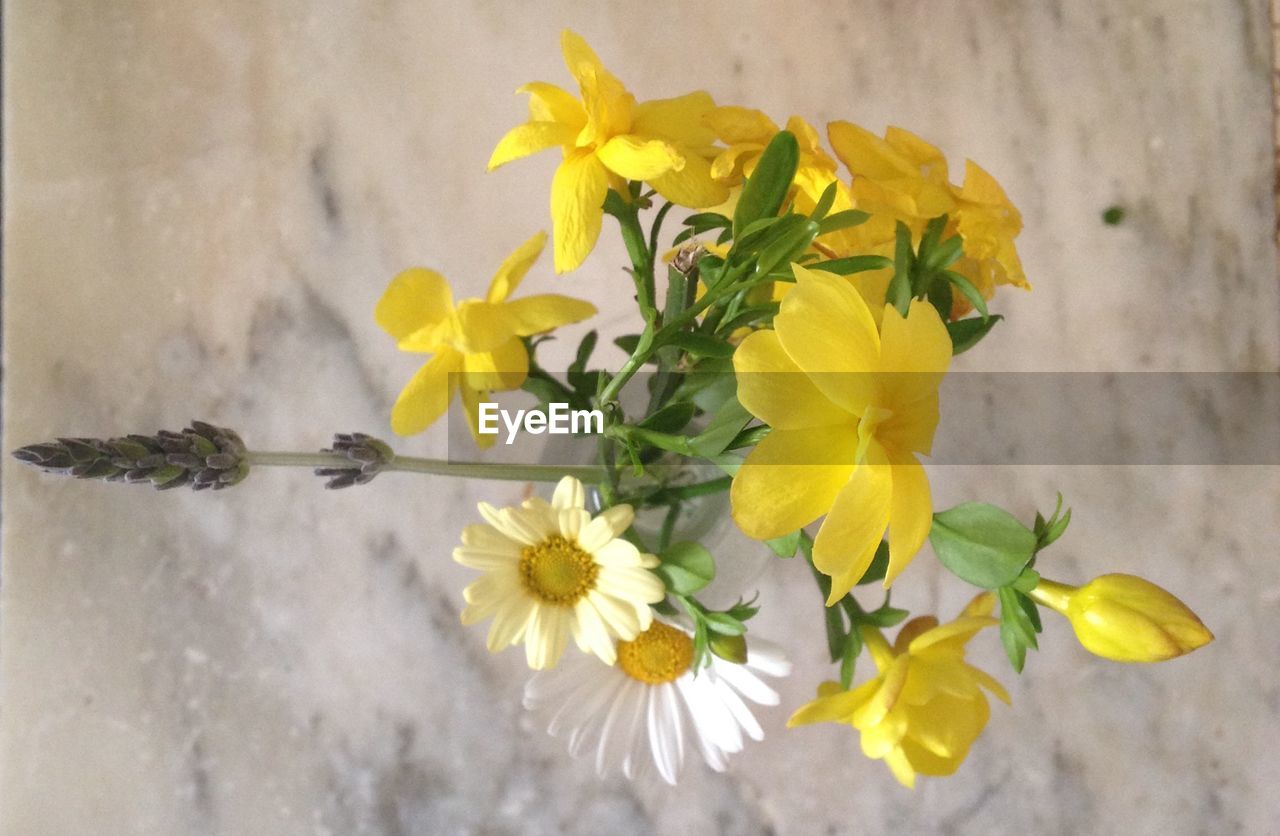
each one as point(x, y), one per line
point(660, 654)
point(558, 571)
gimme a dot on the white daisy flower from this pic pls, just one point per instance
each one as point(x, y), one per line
point(552, 571)
point(646, 708)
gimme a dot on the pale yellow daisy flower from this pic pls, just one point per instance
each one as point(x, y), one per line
point(552, 571)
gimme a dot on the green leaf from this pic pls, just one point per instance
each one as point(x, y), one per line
point(789, 244)
point(704, 221)
point(982, 544)
point(885, 616)
point(744, 610)
point(836, 633)
point(946, 253)
point(588, 344)
point(627, 342)
point(723, 623)
point(546, 391)
point(970, 292)
point(767, 187)
point(786, 545)
point(1017, 630)
point(686, 568)
point(853, 264)
point(825, 202)
point(701, 345)
point(848, 656)
point(899, 292)
point(879, 565)
point(966, 333)
point(1056, 528)
point(671, 418)
point(842, 220)
point(724, 428)
point(1026, 580)
point(940, 298)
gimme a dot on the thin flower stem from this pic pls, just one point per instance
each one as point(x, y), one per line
point(435, 467)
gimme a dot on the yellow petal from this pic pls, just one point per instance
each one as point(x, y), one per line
point(504, 368)
point(426, 397)
point(508, 277)
point(483, 326)
point(727, 162)
point(911, 512)
point(530, 138)
point(608, 105)
point(886, 696)
point(691, 186)
point(637, 158)
point(577, 54)
point(681, 120)
point(827, 329)
point(837, 707)
point(774, 389)
point(734, 124)
point(958, 632)
point(852, 531)
point(416, 298)
point(922, 154)
point(577, 208)
point(915, 353)
point(791, 478)
point(544, 312)
point(549, 103)
point(866, 154)
point(471, 408)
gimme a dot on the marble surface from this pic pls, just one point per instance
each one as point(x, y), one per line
point(203, 202)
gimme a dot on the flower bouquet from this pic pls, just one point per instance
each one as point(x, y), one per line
point(792, 336)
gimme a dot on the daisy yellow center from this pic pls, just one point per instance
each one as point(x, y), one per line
point(659, 654)
point(558, 571)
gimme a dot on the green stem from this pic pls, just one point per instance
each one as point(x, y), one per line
point(435, 467)
point(645, 348)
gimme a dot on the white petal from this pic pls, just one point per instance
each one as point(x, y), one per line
point(739, 710)
point(662, 738)
point(638, 749)
point(570, 521)
point(745, 682)
point(594, 712)
point(510, 623)
point(634, 585)
point(620, 617)
point(615, 734)
point(711, 753)
point(592, 634)
point(595, 535)
point(767, 658)
point(569, 494)
point(711, 715)
point(617, 553)
point(486, 538)
point(619, 518)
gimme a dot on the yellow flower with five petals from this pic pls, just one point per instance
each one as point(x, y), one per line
point(925, 707)
point(607, 139)
point(850, 405)
point(476, 343)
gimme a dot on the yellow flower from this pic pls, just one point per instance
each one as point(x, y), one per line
point(904, 178)
point(924, 708)
point(1125, 618)
point(746, 132)
point(850, 406)
point(607, 139)
point(552, 571)
point(476, 344)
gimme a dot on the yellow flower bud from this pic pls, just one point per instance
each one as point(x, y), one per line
point(1125, 618)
